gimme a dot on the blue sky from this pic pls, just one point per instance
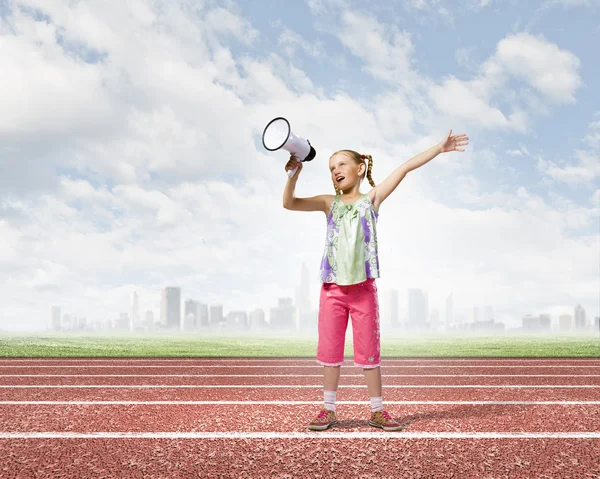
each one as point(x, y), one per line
point(131, 146)
point(437, 41)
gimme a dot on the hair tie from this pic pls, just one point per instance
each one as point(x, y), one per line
point(362, 156)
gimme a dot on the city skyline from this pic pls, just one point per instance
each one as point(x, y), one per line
point(296, 314)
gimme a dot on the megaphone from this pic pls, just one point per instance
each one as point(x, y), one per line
point(278, 134)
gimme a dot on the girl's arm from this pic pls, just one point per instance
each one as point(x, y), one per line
point(290, 202)
point(385, 188)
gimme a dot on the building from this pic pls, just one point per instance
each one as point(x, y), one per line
point(282, 316)
point(149, 321)
point(545, 323)
point(190, 315)
point(483, 326)
point(434, 320)
point(237, 320)
point(302, 297)
point(418, 309)
point(202, 319)
point(122, 324)
point(530, 323)
point(216, 318)
point(476, 315)
point(257, 319)
point(565, 323)
point(449, 311)
point(81, 323)
point(460, 321)
point(55, 324)
point(392, 315)
point(134, 312)
point(580, 322)
point(537, 324)
point(170, 308)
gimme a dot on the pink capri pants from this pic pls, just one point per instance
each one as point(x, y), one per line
point(336, 302)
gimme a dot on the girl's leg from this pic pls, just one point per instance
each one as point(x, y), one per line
point(373, 379)
point(333, 320)
point(331, 377)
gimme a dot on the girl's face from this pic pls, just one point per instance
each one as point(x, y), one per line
point(344, 171)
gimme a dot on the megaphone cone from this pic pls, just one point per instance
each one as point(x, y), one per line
point(278, 134)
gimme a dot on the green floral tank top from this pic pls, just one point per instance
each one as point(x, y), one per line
point(350, 255)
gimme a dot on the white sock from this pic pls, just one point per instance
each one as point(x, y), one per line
point(329, 399)
point(376, 404)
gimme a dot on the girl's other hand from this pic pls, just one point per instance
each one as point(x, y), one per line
point(452, 143)
point(292, 164)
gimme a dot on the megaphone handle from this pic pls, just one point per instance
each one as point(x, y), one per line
point(291, 173)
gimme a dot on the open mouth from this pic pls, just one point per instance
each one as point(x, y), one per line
point(340, 178)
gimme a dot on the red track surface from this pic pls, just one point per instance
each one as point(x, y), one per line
point(313, 454)
point(284, 418)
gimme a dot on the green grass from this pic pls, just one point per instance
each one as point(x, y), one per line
point(50, 345)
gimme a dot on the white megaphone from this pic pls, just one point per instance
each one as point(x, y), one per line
point(278, 134)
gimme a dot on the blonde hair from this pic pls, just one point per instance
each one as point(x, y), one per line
point(358, 159)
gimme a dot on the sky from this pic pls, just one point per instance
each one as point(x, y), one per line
point(131, 156)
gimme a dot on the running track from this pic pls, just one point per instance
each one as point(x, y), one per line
point(247, 417)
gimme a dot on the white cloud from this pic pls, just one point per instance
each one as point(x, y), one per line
point(44, 90)
point(117, 116)
point(456, 99)
point(583, 170)
point(430, 8)
point(550, 71)
point(592, 138)
point(449, 12)
point(291, 41)
point(385, 50)
point(463, 57)
point(395, 116)
point(543, 65)
point(165, 131)
point(225, 22)
point(504, 249)
point(595, 200)
point(571, 3)
point(323, 7)
point(487, 101)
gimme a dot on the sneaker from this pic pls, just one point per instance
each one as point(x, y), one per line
point(323, 420)
point(383, 420)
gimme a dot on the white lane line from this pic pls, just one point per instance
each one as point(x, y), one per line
point(358, 375)
point(300, 435)
point(523, 366)
point(288, 386)
point(295, 403)
point(244, 360)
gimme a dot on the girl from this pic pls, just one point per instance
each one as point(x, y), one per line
point(349, 268)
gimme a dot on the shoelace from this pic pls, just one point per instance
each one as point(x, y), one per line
point(322, 414)
point(386, 415)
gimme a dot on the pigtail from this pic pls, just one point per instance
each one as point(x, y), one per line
point(369, 168)
point(337, 190)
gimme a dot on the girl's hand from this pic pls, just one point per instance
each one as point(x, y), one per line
point(292, 164)
point(451, 143)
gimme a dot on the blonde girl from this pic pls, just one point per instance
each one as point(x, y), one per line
point(349, 267)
